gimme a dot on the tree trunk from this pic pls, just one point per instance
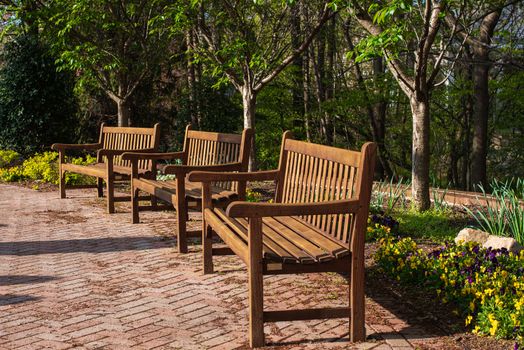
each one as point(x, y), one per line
point(479, 149)
point(420, 152)
point(297, 65)
point(378, 122)
point(191, 81)
point(124, 112)
point(481, 48)
point(307, 93)
point(249, 99)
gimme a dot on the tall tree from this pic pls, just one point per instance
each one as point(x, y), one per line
point(111, 44)
point(402, 22)
point(480, 45)
point(248, 43)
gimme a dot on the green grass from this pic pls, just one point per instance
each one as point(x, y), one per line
point(435, 225)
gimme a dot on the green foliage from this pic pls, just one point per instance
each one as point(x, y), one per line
point(12, 174)
point(483, 286)
point(504, 217)
point(394, 16)
point(112, 46)
point(7, 158)
point(431, 224)
point(253, 196)
point(388, 196)
point(506, 157)
point(79, 179)
point(376, 231)
point(37, 106)
point(44, 167)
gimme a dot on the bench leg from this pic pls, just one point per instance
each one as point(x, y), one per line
point(256, 292)
point(154, 201)
point(207, 247)
point(134, 205)
point(181, 228)
point(181, 214)
point(100, 187)
point(110, 196)
point(357, 329)
point(62, 184)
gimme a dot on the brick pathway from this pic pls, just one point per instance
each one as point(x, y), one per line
point(72, 276)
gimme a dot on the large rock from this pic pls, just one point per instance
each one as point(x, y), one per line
point(472, 235)
point(498, 242)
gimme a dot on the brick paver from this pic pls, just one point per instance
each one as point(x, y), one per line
point(72, 276)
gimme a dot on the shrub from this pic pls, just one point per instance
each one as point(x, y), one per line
point(376, 231)
point(12, 174)
point(7, 158)
point(253, 196)
point(44, 167)
point(484, 285)
point(37, 104)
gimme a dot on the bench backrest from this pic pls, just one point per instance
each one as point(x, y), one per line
point(130, 138)
point(213, 148)
point(315, 173)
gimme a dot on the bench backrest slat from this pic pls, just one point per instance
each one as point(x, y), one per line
point(130, 138)
point(212, 148)
point(317, 173)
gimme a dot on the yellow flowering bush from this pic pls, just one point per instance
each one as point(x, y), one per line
point(44, 167)
point(253, 196)
point(7, 158)
point(485, 285)
point(11, 174)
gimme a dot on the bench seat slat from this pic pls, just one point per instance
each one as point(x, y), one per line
point(333, 246)
point(315, 252)
point(269, 247)
point(284, 242)
point(293, 253)
point(98, 169)
point(166, 190)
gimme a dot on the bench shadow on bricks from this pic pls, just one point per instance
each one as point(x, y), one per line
point(402, 318)
point(90, 245)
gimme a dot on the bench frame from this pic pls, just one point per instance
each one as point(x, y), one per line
point(352, 264)
point(179, 201)
point(108, 157)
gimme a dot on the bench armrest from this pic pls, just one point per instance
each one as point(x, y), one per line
point(205, 176)
point(116, 152)
point(258, 210)
point(152, 156)
point(182, 170)
point(85, 146)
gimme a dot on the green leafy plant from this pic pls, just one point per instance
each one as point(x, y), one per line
point(12, 174)
point(7, 157)
point(502, 213)
point(431, 224)
point(387, 196)
point(439, 198)
point(37, 105)
point(253, 196)
point(44, 167)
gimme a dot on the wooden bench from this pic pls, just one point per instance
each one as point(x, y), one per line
point(317, 224)
point(113, 142)
point(202, 151)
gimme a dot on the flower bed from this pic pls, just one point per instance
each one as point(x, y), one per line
point(484, 286)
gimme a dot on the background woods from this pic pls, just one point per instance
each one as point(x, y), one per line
point(437, 84)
